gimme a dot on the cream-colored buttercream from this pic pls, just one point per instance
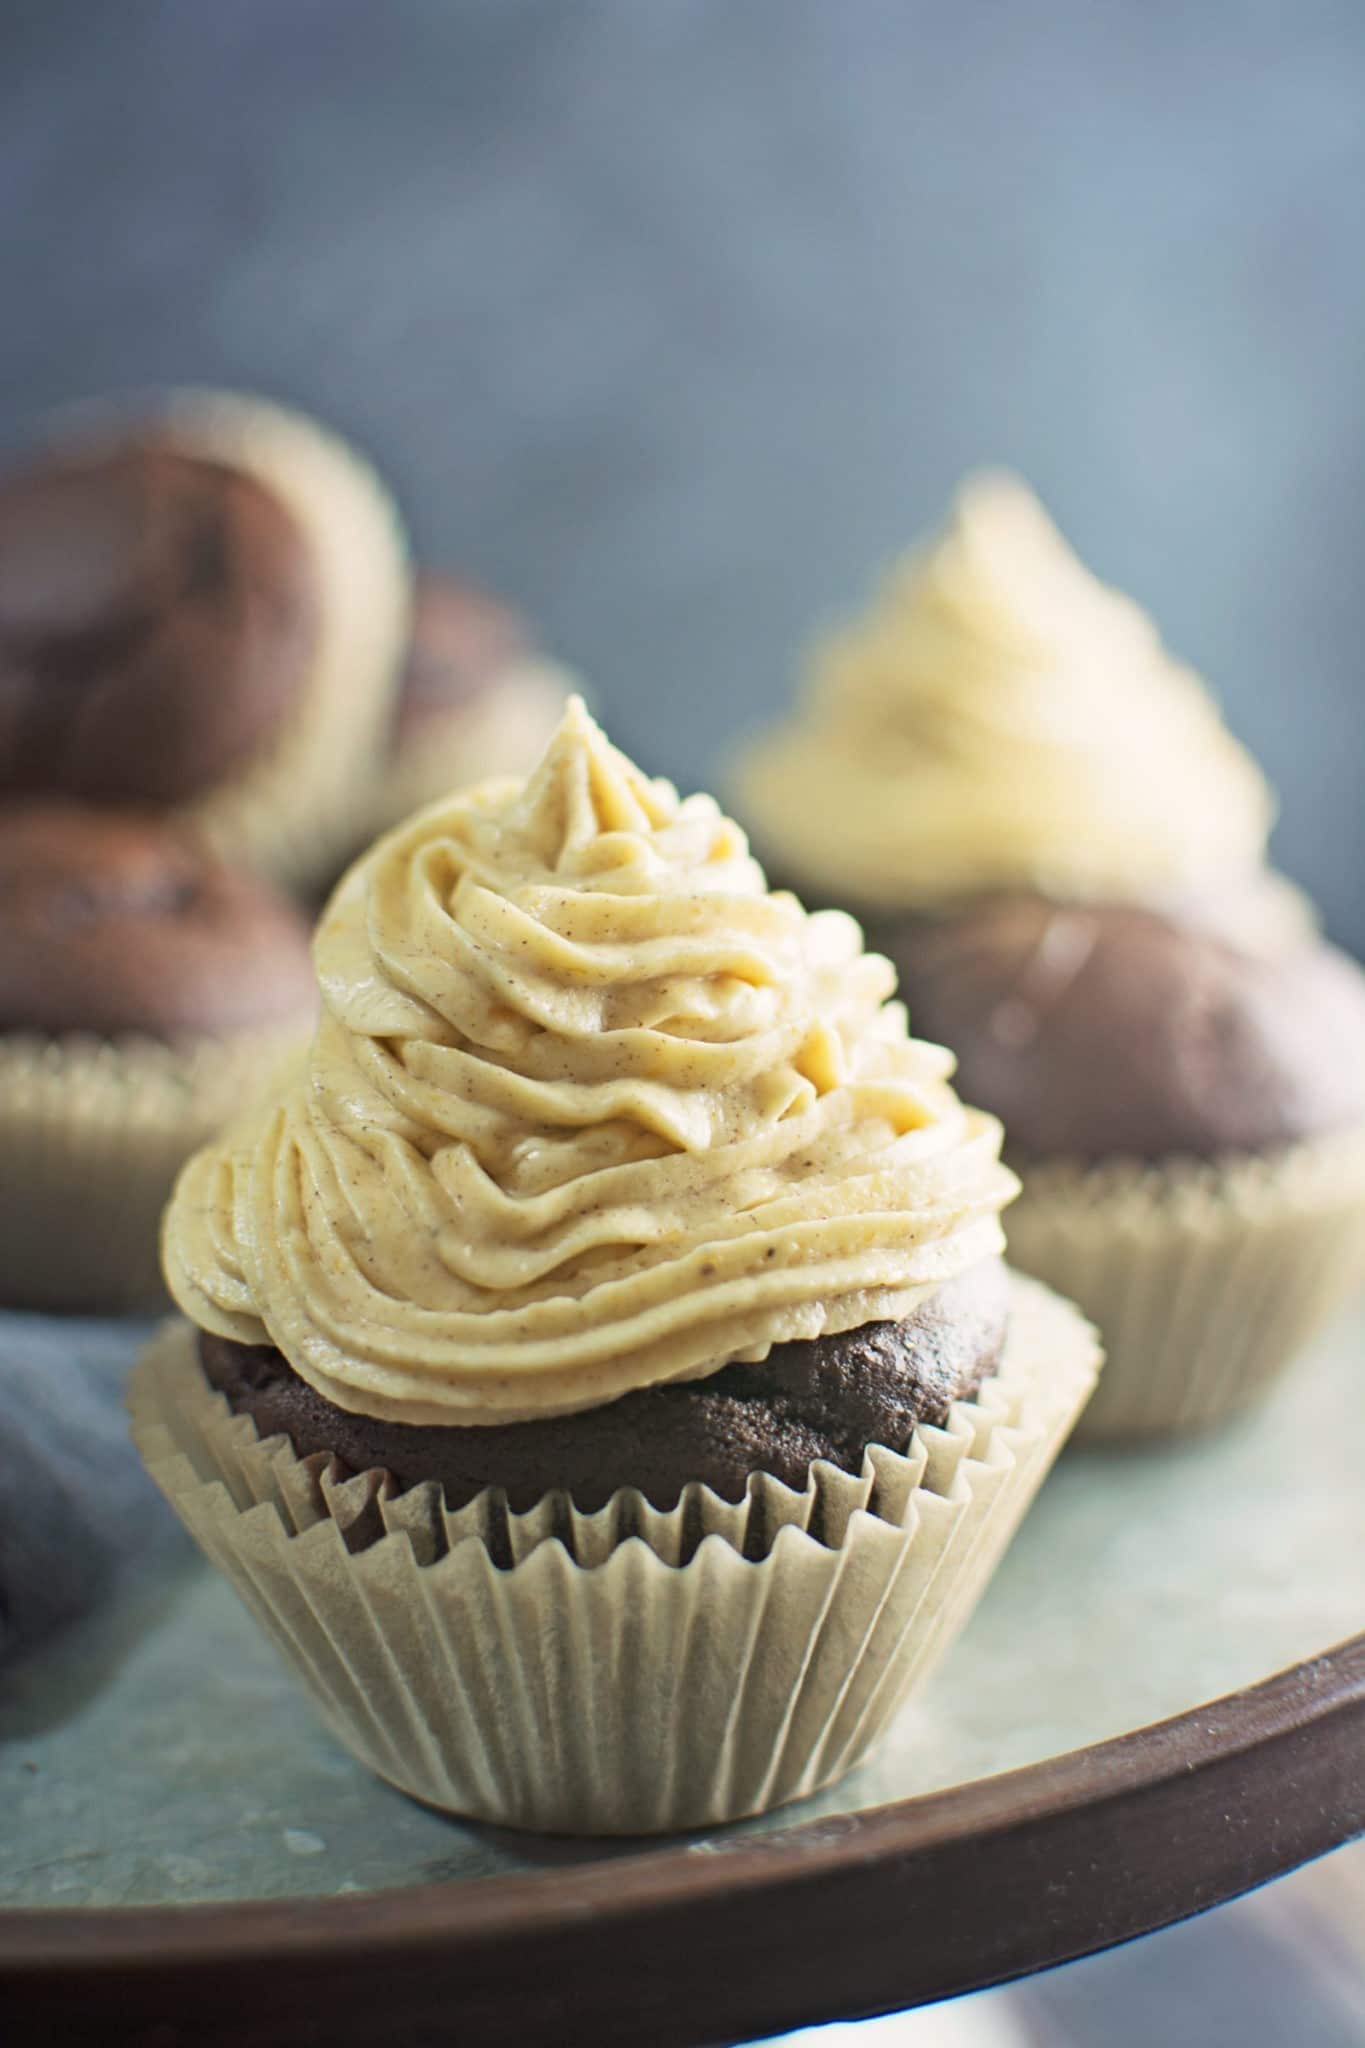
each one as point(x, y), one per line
point(589, 1109)
point(1002, 719)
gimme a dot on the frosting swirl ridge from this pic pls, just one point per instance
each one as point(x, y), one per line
point(588, 1109)
point(1002, 719)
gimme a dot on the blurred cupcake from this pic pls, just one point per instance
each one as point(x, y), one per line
point(599, 1374)
point(1045, 824)
point(144, 987)
point(202, 613)
point(476, 698)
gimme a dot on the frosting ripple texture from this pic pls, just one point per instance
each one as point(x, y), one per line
point(589, 1109)
point(1002, 719)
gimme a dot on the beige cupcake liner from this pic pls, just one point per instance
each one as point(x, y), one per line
point(1206, 1279)
point(92, 1135)
point(1266, 913)
point(502, 731)
point(293, 813)
point(631, 1671)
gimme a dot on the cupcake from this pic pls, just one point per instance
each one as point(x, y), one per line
point(476, 698)
point(597, 1369)
point(143, 987)
point(1044, 823)
point(202, 613)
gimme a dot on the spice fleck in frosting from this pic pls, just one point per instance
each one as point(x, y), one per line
point(1002, 719)
point(589, 1110)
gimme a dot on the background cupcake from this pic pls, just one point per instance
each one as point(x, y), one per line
point(1047, 827)
point(202, 612)
point(144, 989)
point(476, 698)
point(614, 1203)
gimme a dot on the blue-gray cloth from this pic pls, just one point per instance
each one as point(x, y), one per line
point(77, 1511)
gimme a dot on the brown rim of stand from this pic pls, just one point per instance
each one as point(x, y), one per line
point(836, 1918)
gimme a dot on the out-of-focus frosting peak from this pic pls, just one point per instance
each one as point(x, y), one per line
point(1002, 719)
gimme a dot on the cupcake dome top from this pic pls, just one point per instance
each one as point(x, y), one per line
point(589, 1109)
point(158, 620)
point(1002, 719)
point(122, 926)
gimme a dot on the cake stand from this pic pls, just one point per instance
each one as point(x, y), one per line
point(1160, 1704)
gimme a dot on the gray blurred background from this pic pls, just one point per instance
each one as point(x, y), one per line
point(672, 319)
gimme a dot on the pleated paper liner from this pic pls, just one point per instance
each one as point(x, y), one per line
point(632, 1671)
point(92, 1135)
point(1263, 913)
point(1206, 1278)
point(291, 813)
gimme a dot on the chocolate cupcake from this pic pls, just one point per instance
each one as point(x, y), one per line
point(1044, 824)
point(609, 1317)
point(476, 698)
point(202, 612)
point(144, 986)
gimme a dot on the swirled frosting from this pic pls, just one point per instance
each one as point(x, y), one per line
point(1002, 719)
point(588, 1109)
